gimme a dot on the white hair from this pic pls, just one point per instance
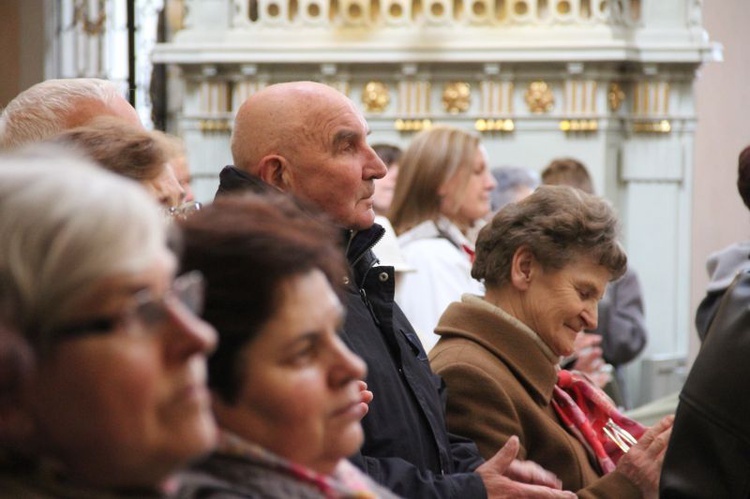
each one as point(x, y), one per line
point(41, 111)
point(65, 224)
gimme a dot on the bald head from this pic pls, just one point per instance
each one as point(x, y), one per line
point(311, 140)
point(50, 107)
point(277, 118)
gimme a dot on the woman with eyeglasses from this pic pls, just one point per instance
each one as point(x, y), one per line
point(103, 380)
point(286, 390)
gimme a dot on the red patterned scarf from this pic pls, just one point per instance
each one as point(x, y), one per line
point(591, 416)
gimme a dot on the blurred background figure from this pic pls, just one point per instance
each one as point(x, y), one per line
point(384, 187)
point(286, 390)
point(513, 184)
point(177, 157)
point(725, 264)
point(387, 249)
point(128, 151)
point(49, 107)
point(443, 189)
point(621, 334)
point(115, 399)
point(545, 263)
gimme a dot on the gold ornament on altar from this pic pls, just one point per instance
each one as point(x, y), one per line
point(539, 97)
point(615, 97)
point(456, 97)
point(81, 17)
point(375, 96)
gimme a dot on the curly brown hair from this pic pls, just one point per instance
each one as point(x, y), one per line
point(558, 224)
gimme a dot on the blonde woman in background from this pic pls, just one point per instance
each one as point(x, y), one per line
point(443, 189)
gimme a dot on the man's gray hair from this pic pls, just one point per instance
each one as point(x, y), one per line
point(42, 110)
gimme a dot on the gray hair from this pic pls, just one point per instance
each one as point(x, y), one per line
point(509, 179)
point(65, 224)
point(43, 110)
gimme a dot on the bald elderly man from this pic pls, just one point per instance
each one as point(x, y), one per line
point(310, 140)
point(48, 108)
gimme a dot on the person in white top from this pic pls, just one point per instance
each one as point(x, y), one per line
point(443, 189)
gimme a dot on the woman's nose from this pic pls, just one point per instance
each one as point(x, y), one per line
point(187, 333)
point(490, 182)
point(590, 317)
point(348, 365)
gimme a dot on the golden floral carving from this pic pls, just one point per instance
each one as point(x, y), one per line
point(615, 96)
point(456, 97)
point(375, 96)
point(539, 97)
point(81, 17)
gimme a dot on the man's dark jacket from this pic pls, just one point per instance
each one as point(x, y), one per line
point(407, 447)
point(709, 451)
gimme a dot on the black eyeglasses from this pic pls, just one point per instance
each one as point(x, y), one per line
point(145, 310)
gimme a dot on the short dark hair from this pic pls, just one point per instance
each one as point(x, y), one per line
point(743, 176)
point(247, 246)
point(558, 224)
point(387, 153)
point(568, 171)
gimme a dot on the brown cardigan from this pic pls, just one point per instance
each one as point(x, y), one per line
point(500, 378)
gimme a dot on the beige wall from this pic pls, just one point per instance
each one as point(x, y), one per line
point(23, 39)
point(723, 130)
point(9, 55)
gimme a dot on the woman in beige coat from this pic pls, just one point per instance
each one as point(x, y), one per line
point(545, 263)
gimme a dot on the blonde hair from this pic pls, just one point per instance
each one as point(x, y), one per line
point(431, 159)
point(72, 224)
point(119, 146)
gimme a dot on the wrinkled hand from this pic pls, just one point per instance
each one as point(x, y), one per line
point(642, 464)
point(367, 396)
point(506, 477)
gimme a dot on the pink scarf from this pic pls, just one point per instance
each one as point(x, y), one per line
point(591, 416)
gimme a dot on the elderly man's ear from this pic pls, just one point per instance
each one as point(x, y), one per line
point(276, 171)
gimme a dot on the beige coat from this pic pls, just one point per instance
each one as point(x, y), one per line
point(500, 378)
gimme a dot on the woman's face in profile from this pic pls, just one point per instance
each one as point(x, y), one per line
point(467, 206)
point(299, 396)
point(558, 304)
point(123, 406)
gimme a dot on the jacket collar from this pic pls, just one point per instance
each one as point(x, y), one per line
point(441, 227)
point(233, 180)
point(531, 361)
point(360, 242)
